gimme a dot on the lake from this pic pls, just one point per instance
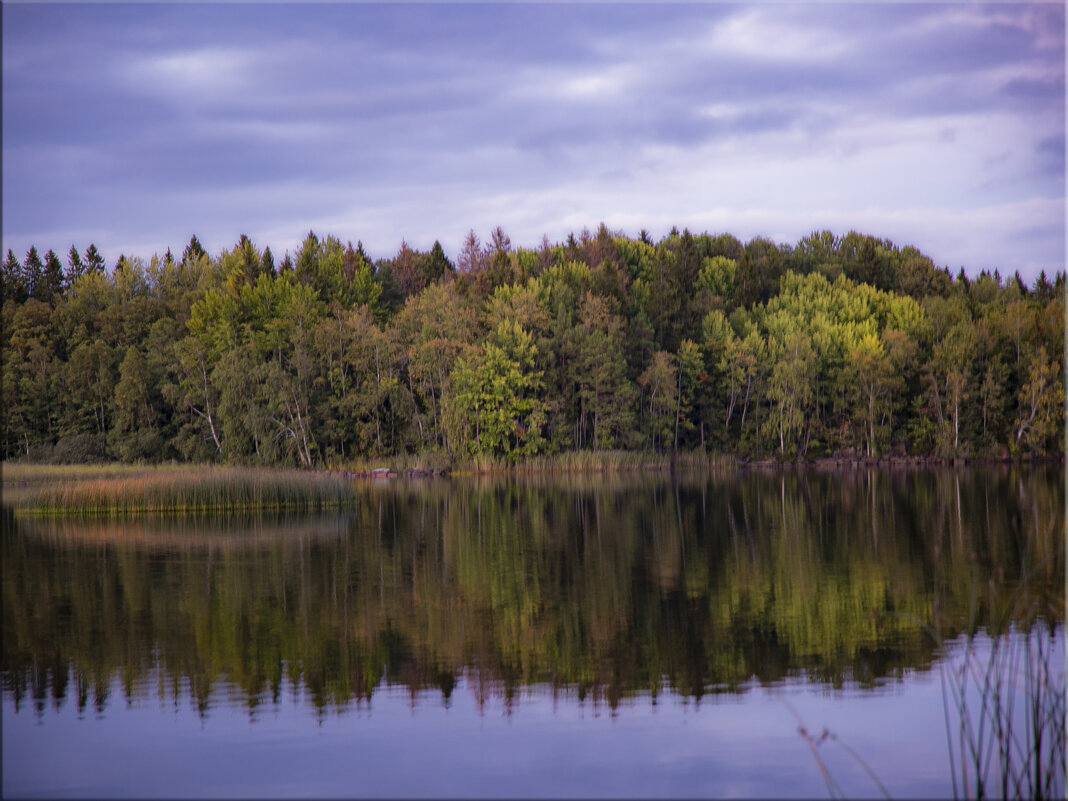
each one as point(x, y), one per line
point(772, 634)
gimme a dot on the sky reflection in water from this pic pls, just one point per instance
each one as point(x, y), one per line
point(744, 745)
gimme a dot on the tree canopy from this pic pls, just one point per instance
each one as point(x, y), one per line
point(835, 345)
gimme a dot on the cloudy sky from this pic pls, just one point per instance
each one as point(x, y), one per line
point(135, 126)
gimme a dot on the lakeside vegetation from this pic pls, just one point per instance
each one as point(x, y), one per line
point(113, 491)
point(584, 351)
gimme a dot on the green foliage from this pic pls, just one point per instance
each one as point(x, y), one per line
point(660, 389)
point(496, 401)
point(718, 274)
point(949, 378)
point(791, 393)
point(840, 345)
point(1040, 405)
point(606, 397)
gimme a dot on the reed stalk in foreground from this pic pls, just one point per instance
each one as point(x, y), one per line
point(1006, 736)
point(1004, 706)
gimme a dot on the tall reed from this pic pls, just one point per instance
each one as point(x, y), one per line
point(1005, 715)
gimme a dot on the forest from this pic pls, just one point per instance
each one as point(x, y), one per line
point(836, 346)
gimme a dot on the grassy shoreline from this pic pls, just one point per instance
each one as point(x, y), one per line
point(124, 490)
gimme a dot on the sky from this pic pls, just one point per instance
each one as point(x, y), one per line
point(136, 126)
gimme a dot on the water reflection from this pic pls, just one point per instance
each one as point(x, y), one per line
point(601, 589)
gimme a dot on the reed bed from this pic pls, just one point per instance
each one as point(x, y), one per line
point(188, 490)
point(14, 473)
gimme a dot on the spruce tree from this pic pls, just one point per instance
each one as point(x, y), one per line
point(75, 265)
point(94, 262)
point(33, 272)
point(437, 264)
point(267, 262)
point(52, 285)
point(193, 251)
point(12, 283)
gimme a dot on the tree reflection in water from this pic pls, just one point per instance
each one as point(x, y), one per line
point(605, 588)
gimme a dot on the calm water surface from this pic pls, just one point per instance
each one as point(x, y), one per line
point(610, 637)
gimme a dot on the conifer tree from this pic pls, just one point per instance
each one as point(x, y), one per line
point(33, 272)
point(437, 264)
point(193, 251)
point(12, 283)
point(94, 262)
point(75, 265)
point(267, 262)
point(52, 285)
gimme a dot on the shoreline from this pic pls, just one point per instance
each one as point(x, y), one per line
point(689, 463)
point(607, 463)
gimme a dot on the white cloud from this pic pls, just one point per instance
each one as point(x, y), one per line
point(606, 83)
point(762, 34)
point(207, 71)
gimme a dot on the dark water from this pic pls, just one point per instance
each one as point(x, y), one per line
point(610, 637)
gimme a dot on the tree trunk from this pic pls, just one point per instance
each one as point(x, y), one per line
point(678, 411)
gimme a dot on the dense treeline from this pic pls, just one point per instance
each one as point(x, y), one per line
point(836, 345)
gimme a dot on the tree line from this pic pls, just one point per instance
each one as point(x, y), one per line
point(835, 345)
